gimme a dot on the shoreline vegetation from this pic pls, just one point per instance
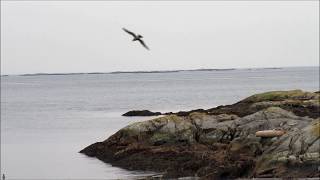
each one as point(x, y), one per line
point(140, 72)
point(269, 135)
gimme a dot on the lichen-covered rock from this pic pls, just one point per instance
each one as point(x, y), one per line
point(299, 102)
point(221, 145)
point(298, 148)
point(282, 96)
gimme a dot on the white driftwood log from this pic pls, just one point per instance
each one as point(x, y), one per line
point(270, 133)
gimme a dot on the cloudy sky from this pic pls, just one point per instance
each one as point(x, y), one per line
point(83, 36)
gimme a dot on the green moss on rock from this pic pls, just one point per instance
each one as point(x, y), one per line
point(159, 138)
point(281, 95)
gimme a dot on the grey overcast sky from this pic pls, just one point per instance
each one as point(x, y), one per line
point(84, 36)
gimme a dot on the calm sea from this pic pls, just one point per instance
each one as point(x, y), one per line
point(46, 120)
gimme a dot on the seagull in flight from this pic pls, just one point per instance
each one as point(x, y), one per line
point(136, 38)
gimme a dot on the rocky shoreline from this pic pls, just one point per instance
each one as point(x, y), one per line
point(221, 142)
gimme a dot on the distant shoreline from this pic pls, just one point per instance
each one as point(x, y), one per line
point(139, 72)
point(157, 71)
point(128, 72)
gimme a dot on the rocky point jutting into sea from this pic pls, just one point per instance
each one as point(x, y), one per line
point(221, 142)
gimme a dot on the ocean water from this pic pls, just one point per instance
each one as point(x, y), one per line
point(46, 120)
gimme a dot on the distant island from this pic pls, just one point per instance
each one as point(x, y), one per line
point(124, 72)
point(59, 74)
point(145, 72)
point(141, 72)
point(128, 72)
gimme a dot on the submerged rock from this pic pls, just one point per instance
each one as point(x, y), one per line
point(209, 144)
point(141, 113)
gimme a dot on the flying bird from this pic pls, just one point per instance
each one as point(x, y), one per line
point(136, 38)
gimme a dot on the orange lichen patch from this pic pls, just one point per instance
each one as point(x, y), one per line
point(270, 133)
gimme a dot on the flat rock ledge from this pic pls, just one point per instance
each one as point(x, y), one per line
point(221, 142)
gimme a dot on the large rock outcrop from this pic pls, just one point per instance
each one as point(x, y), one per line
point(221, 143)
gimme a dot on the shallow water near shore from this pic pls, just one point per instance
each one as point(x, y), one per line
point(46, 120)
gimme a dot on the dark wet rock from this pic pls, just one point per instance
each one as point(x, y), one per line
point(221, 143)
point(299, 102)
point(141, 113)
point(186, 113)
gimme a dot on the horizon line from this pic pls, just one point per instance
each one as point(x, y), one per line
point(150, 71)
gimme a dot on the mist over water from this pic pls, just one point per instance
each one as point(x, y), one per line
point(46, 120)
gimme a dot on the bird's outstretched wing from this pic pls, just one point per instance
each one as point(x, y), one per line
point(143, 44)
point(129, 32)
